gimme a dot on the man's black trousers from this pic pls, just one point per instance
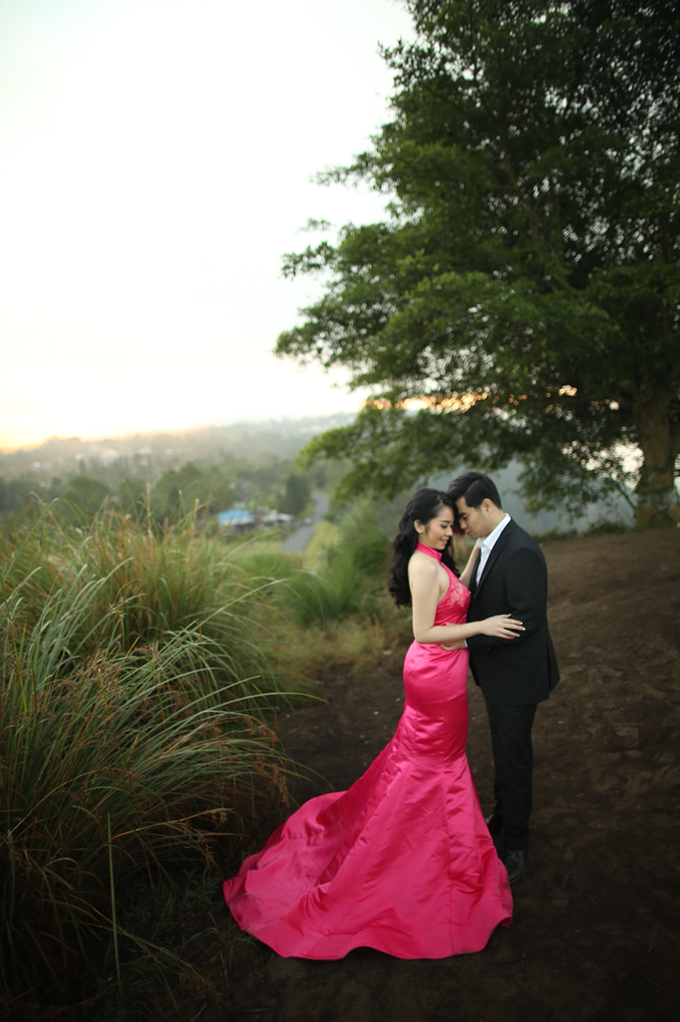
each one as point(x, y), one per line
point(513, 758)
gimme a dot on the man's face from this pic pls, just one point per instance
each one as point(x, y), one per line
point(475, 521)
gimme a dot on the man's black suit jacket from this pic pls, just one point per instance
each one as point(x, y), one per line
point(513, 672)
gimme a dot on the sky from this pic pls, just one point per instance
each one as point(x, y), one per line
point(156, 161)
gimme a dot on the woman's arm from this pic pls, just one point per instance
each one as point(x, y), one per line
point(470, 567)
point(425, 595)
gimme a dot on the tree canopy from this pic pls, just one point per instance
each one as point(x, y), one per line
point(175, 491)
point(297, 494)
point(522, 297)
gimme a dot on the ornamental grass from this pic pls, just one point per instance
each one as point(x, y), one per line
point(134, 585)
point(132, 742)
point(140, 670)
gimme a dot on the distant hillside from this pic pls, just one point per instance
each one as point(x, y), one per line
point(258, 443)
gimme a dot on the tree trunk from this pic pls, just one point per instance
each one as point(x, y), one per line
point(659, 440)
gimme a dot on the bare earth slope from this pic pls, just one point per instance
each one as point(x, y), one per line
point(596, 931)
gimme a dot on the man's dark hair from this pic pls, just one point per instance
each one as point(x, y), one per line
point(474, 487)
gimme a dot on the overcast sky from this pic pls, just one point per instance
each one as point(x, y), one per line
point(156, 159)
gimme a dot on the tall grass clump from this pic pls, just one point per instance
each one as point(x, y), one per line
point(341, 613)
point(150, 582)
point(265, 560)
point(351, 573)
point(303, 597)
point(132, 745)
point(337, 590)
point(116, 766)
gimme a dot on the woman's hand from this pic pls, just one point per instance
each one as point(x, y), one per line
point(501, 626)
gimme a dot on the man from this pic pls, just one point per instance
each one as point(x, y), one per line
point(513, 674)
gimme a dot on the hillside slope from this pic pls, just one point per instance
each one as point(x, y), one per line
point(595, 934)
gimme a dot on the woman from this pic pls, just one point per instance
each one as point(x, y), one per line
point(402, 861)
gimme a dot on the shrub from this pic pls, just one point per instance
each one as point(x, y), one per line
point(116, 766)
point(309, 598)
point(609, 525)
point(371, 553)
point(361, 536)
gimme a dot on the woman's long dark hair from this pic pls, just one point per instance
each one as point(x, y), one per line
point(422, 507)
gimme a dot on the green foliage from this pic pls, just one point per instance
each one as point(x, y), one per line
point(296, 496)
point(350, 567)
point(149, 584)
point(134, 498)
point(524, 294)
point(350, 560)
point(607, 525)
point(263, 559)
point(14, 494)
point(302, 597)
point(125, 753)
point(362, 538)
point(182, 926)
point(86, 494)
point(176, 491)
point(262, 483)
point(137, 667)
point(338, 590)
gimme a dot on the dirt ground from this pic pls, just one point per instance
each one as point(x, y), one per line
point(596, 927)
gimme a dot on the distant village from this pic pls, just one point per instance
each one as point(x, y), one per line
point(244, 477)
point(239, 519)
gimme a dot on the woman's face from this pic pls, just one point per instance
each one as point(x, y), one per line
point(438, 531)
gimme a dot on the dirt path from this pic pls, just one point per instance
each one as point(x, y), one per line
point(596, 930)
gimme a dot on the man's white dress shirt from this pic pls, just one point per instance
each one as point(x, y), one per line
point(487, 544)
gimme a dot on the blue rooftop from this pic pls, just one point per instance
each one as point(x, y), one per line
point(237, 516)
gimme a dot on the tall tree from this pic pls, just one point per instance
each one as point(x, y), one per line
point(176, 491)
point(86, 493)
point(522, 299)
point(297, 494)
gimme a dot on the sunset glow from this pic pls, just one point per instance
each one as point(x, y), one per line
point(155, 164)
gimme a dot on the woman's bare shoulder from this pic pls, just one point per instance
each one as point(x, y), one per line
point(421, 564)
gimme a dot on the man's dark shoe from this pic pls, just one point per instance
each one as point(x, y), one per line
point(495, 821)
point(515, 863)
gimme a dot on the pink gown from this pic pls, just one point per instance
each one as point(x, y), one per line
point(402, 861)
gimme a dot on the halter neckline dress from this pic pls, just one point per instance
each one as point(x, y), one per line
point(402, 861)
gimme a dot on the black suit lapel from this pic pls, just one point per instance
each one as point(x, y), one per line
point(495, 554)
